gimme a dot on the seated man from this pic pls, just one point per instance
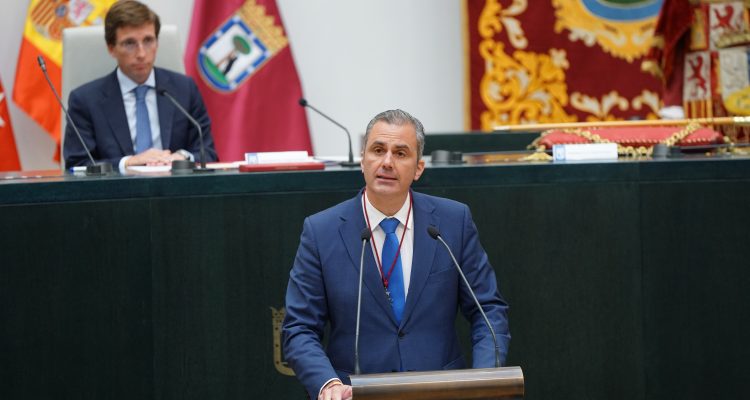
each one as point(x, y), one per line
point(412, 290)
point(121, 117)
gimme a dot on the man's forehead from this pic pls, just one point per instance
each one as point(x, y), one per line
point(387, 132)
point(147, 29)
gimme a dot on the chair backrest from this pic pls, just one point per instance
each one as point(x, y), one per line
point(85, 58)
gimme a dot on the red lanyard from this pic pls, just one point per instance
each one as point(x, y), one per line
point(385, 277)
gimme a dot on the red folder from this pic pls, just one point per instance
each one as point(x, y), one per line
point(287, 166)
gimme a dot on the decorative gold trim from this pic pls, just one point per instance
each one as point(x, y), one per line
point(653, 68)
point(467, 63)
point(732, 39)
point(539, 155)
point(622, 150)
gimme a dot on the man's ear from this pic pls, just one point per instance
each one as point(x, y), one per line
point(420, 169)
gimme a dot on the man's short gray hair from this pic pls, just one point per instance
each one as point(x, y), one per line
point(398, 118)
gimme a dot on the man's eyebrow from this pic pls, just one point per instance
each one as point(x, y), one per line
point(398, 145)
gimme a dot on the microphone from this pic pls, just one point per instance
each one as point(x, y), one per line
point(95, 168)
point(349, 163)
point(365, 237)
point(187, 165)
point(435, 234)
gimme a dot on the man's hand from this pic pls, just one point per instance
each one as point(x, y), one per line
point(336, 391)
point(153, 157)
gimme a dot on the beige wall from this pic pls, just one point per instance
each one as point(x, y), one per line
point(355, 58)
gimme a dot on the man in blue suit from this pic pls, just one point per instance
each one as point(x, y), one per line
point(412, 291)
point(121, 117)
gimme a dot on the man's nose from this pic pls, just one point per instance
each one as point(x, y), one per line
point(140, 49)
point(388, 159)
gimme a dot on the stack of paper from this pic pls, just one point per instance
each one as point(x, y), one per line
point(270, 157)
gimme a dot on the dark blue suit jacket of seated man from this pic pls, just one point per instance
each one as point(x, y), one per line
point(323, 287)
point(98, 111)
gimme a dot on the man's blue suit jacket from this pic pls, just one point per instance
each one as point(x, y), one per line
point(99, 113)
point(323, 288)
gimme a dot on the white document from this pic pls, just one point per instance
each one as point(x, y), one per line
point(581, 152)
point(269, 157)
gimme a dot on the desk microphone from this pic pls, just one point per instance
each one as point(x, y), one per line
point(349, 163)
point(95, 169)
point(365, 236)
point(435, 234)
point(187, 165)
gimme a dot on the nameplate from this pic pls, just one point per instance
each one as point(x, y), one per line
point(584, 152)
point(277, 157)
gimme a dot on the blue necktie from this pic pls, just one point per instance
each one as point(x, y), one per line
point(142, 122)
point(396, 279)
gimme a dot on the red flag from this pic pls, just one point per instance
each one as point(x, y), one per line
point(239, 56)
point(8, 153)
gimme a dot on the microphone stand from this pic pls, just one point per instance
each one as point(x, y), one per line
point(435, 234)
point(350, 162)
point(179, 166)
point(365, 235)
point(95, 168)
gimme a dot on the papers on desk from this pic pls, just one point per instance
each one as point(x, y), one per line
point(254, 162)
point(279, 161)
point(150, 168)
point(270, 157)
point(224, 165)
point(584, 152)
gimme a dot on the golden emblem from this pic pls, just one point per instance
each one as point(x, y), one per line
point(277, 319)
point(738, 103)
point(627, 39)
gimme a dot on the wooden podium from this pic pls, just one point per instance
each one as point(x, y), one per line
point(487, 383)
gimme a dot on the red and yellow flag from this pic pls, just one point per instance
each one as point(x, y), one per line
point(8, 153)
point(558, 61)
point(42, 35)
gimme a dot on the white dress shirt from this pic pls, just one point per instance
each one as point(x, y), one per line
point(378, 237)
point(127, 87)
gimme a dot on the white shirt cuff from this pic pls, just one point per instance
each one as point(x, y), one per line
point(327, 382)
point(121, 165)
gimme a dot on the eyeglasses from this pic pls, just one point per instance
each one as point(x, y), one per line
point(131, 45)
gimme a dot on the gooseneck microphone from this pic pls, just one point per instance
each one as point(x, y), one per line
point(435, 234)
point(187, 165)
point(349, 163)
point(95, 168)
point(365, 236)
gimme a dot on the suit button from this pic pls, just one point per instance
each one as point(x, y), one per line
point(401, 334)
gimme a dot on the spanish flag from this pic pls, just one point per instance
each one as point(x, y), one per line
point(8, 153)
point(42, 35)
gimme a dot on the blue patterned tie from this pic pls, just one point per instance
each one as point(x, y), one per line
point(396, 280)
point(142, 122)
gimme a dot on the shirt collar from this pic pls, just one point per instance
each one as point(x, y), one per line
point(127, 85)
point(376, 216)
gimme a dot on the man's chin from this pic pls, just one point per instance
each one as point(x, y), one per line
point(385, 188)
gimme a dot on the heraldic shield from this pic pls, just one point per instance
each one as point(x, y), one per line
point(239, 47)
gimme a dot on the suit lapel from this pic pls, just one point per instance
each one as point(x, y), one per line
point(424, 252)
point(164, 107)
point(350, 230)
point(114, 108)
